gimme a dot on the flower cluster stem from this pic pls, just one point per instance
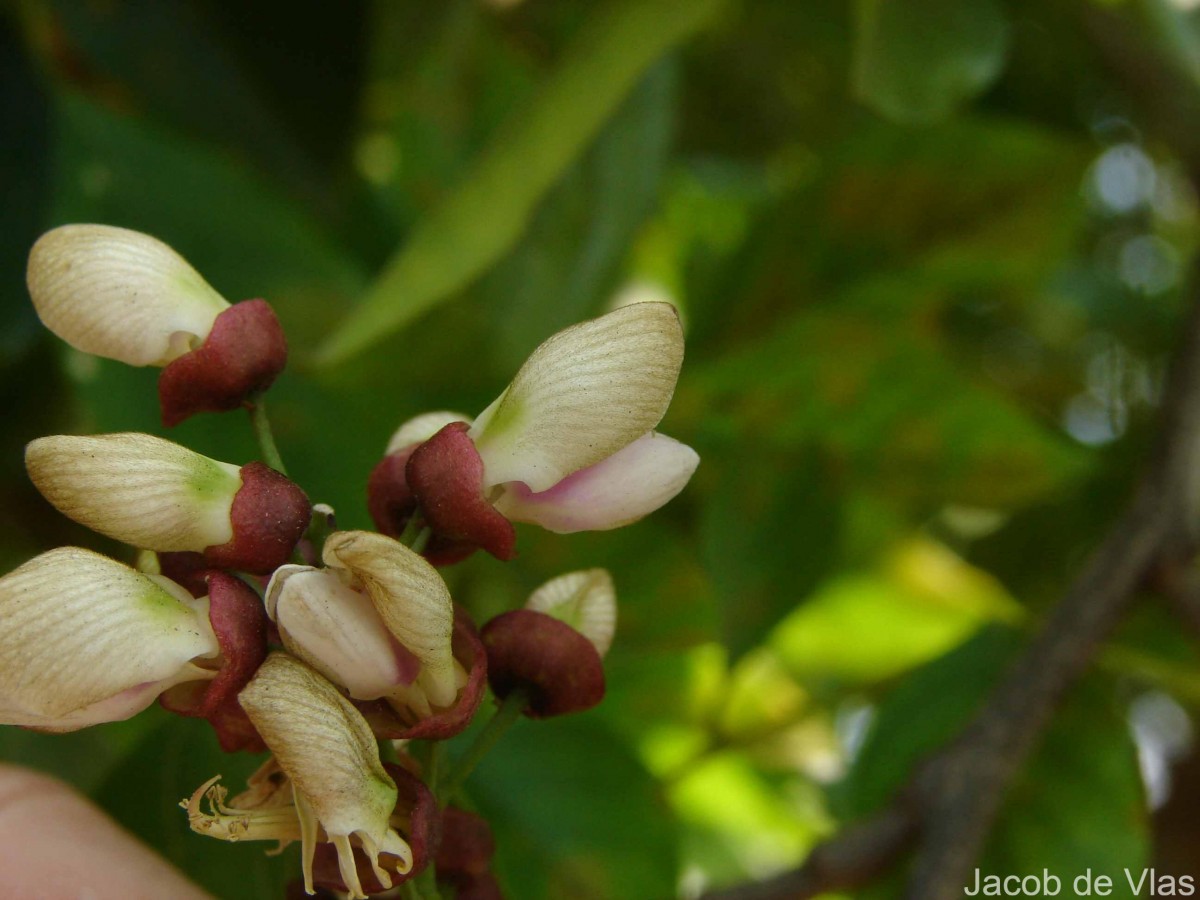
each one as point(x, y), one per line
point(503, 719)
point(263, 435)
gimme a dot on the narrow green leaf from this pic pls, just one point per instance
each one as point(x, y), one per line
point(486, 215)
point(917, 60)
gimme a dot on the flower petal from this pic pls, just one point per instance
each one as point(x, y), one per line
point(582, 395)
point(78, 629)
point(136, 488)
point(336, 630)
point(324, 746)
point(410, 597)
point(587, 601)
point(623, 488)
point(421, 428)
point(120, 294)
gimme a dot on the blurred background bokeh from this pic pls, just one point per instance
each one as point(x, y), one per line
point(930, 255)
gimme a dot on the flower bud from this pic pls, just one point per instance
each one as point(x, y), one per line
point(329, 763)
point(160, 496)
point(129, 297)
point(84, 639)
point(587, 601)
point(553, 649)
point(120, 294)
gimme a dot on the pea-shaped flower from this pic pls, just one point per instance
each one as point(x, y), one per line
point(379, 621)
point(325, 783)
point(553, 649)
point(159, 496)
point(569, 445)
point(85, 639)
point(128, 296)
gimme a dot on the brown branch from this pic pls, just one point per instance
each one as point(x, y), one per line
point(954, 797)
point(856, 856)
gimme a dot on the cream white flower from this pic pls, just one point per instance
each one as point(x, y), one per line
point(137, 488)
point(586, 600)
point(84, 639)
point(120, 294)
point(570, 445)
point(157, 495)
point(335, 789)
point(378, 620)
point(587, 392)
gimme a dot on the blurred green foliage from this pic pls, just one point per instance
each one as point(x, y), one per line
point(929, 256)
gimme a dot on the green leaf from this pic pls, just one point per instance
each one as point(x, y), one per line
point(143, 794)
point(770, 533)
point(882, 398)
point(918, 60)
point(488, 213)
point(244, 237)
point(569, 260)
point(575, 815)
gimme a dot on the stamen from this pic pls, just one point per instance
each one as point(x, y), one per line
point(227, 823)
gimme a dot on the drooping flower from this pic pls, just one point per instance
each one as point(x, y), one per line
point(324, 784)
point(569, 445)
point(553, 649)
point(128, 296)
point(159, 496)
point(379, 621)
point(85, 639)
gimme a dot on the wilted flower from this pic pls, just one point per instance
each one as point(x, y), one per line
point(325, 782)
point(84, 639)
point(160, 496)
point(569, 445)
point(379, 620)
point(553, 649)
point(129, 297)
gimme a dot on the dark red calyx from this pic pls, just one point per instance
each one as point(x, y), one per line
point(392, 504)
point(390, 500)
point(187, 569)
point(242, 356)
point(557, 667)
point(269, 514)
point(240, 624)
point(415, 802)
point(467, 845)
point(467, 648)
point(445, 475)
